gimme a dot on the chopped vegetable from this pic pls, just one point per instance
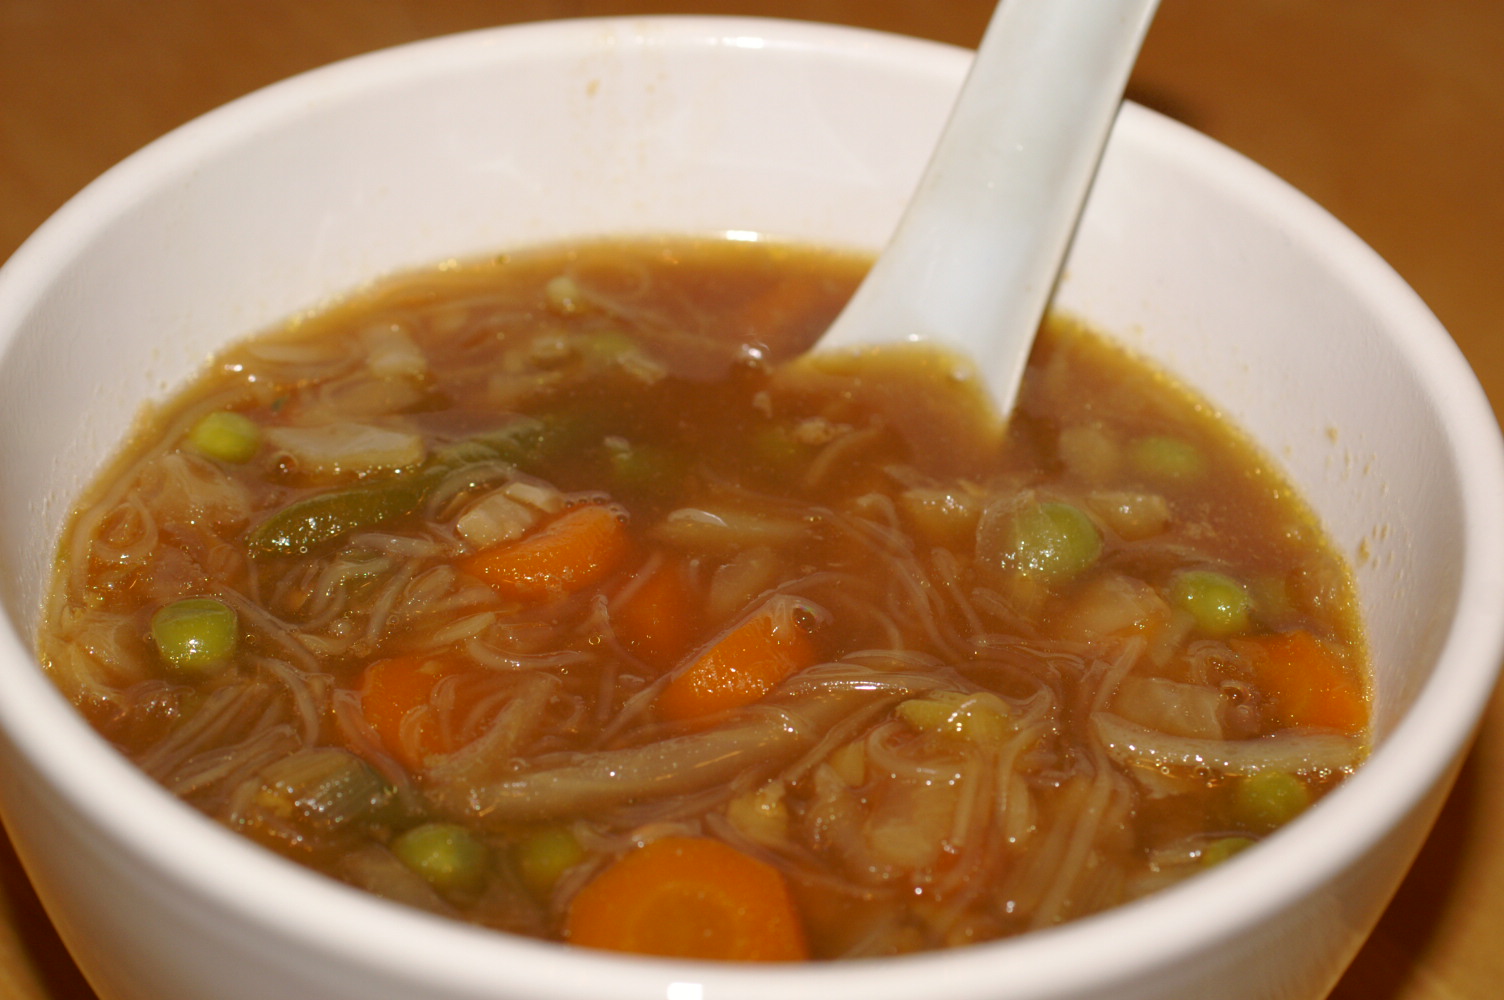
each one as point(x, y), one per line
point(543, 856)
point(303, 799)
point(980, 717)
point(744, 664)
point(659, 619)
point(1173, 707)
point(448, 856)
point(391, 352)
point(1269, 799)
point(346, 448)
point(1307, 680)
point(391, 690)
point(945, 517)
point(580, 547)
point(761, 814)
point(1133, 516)
point(1164, 458)
point(1137, 746)
point(226, 436)
point(197, 635)
point(689, 897)
point(1223, 848)
point(495, 518)
point(1217, 602)
point(573, 784)
point(1049, 540)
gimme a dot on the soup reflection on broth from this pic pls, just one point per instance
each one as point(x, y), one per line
point(561, 593)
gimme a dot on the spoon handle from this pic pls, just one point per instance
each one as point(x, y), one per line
point(975, 256)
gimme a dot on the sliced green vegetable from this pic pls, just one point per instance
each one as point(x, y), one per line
point(1270, 799)
point(225, 436)
point(197, 635)
point(324, 789)
point(1053, 541)
point(448, 856)
point(1217, 602)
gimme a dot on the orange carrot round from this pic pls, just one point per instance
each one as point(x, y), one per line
point(689, 897)
point(1307, 681)
point(578, 548)
point(657, 621)
point(393, 688)
point(740, 667)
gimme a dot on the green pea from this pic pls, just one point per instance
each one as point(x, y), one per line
point(1166, 458)
point(1217, 602)
point(1270, 799)
point(1053, 541)
point(545, 855)
point(448, 856)
point(1223, 848)
point(226, 436)
point(197, 635)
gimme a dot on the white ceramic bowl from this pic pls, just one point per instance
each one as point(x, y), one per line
point(510, 137)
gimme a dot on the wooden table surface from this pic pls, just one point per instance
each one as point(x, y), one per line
point(1388, 112)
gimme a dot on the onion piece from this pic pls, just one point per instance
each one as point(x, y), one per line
point(342, 448)
point(1297, 751)
point(759, 739)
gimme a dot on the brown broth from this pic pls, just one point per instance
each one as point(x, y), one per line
point(951, 755)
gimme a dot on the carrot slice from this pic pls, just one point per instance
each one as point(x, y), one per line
point(658, 620)
point(689, 897)
point(741, 666)
point(391, 690)
point(580, 547)
point(1307, 681)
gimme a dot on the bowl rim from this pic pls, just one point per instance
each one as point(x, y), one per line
point(1419, 755)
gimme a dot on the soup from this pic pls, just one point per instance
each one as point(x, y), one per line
point(564, 594)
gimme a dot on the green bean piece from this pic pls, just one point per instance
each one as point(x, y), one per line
point(1053, 541)
point(326, 790)
point(226, 436)
point(544, 855)
point(1270, 799)
point(1223, 848)
point(197, 635)
point(323, 517)
point(1164, 458)
point(448, 856)
point(1218, 603)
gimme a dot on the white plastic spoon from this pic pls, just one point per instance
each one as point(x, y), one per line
point(975, 257)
